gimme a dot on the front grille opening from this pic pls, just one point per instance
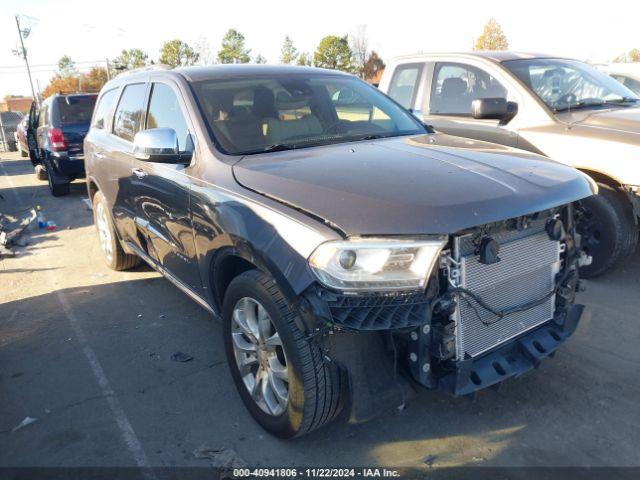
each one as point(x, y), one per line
point(539, 347)
point(475, 378)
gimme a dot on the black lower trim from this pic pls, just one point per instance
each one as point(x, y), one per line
point(513, 359)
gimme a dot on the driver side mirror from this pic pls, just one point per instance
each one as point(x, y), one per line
point(158, 145)
point(493, 109)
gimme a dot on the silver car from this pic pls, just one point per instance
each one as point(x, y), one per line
point(561, 108)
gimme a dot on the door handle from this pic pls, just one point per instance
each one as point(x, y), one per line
point(138, 172)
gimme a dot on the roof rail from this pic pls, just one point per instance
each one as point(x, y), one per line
point(156, 66)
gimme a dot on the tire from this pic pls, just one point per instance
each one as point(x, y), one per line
point(313, 385)
point(609, 230)
point(41, 173)
point(57, 186)
point(112, 252)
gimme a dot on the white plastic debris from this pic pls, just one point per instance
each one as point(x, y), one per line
point(27, 421)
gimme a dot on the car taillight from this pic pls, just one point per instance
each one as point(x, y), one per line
point(56, 139)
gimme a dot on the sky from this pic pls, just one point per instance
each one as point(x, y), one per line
point(91, 31)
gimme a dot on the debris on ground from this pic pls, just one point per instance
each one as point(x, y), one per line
point(181, 357)
point(11, 228)
point(429, 460)
point(220, 457)
point(27, 421)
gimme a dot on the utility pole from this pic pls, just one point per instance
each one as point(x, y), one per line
point(108, 68)
point(24, 55)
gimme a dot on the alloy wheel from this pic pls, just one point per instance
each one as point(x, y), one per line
point(103, 231)
point(259, 356)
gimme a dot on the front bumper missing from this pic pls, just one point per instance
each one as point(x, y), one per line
point(513, 359)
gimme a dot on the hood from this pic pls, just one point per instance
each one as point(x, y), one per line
point(618, 120)
point(426, 184)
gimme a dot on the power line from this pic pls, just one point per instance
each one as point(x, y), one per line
point(51, 64)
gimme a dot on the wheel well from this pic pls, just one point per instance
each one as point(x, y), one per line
point(93, 189)
point(224, 272)
point(602, 178)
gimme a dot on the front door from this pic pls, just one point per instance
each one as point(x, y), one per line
point(454, 86)
point(161, 192)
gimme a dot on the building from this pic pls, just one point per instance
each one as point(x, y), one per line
point(15, 103)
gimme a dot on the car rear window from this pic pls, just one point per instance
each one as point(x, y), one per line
point(75, 109)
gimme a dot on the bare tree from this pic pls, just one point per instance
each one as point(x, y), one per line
point(360, 49)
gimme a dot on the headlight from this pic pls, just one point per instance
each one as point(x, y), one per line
point(376, 263)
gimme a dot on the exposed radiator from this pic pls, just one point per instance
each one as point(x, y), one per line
point(529, 262)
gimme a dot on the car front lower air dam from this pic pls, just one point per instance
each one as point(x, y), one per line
point(348, 249)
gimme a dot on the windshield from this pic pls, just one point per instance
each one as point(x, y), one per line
point(75, 109)
point(271, 113)
point(568, 84)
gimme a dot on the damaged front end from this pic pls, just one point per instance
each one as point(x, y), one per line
point(499, 299)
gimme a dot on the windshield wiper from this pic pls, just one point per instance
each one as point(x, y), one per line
point(278, 147)
point(603, 103)
point(622, 100)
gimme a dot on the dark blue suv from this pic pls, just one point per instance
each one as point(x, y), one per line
point(56, 133)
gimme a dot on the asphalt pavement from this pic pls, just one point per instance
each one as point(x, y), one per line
point(87, 353)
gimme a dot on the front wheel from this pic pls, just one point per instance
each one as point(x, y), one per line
point(282, 376)
point(609, 230)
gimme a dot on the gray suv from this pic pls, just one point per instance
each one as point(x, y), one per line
point(347, 248)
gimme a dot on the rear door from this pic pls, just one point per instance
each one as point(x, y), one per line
point(454, 86)
point(114, 159)
point(161, 191)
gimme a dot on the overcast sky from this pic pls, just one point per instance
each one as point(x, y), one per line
point(91, 31)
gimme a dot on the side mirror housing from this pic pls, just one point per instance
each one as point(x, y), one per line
point(158, 145)
point(493, 109)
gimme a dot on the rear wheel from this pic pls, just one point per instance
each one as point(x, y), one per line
point(282, 377)
point(58, 186)
point(114, 256)
point(609, 230)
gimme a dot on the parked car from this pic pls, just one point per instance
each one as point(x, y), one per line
point(335, 235)
point(8, 123)
point(21, 137)
point(561, 108)
point(627, 74)
point(57, 131)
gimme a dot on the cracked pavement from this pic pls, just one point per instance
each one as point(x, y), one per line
point(87, 352)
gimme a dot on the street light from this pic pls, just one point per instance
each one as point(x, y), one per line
point(22, 52)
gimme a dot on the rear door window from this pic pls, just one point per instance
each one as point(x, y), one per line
point(75, 109)
point(165, 111)
point(404, 84)
point(104, 108)
point(130, 111)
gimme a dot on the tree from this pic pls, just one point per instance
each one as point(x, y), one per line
point(289, 53)
point(632, 55)
point(373, 67)
point(360, 49)
point(67, 67)
point(304, 60)
point(233, 49)
point(177, 53)
point(131, 58)
point(492, 37)
point(333, 52)
point(259, 59)
point(91, 81)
